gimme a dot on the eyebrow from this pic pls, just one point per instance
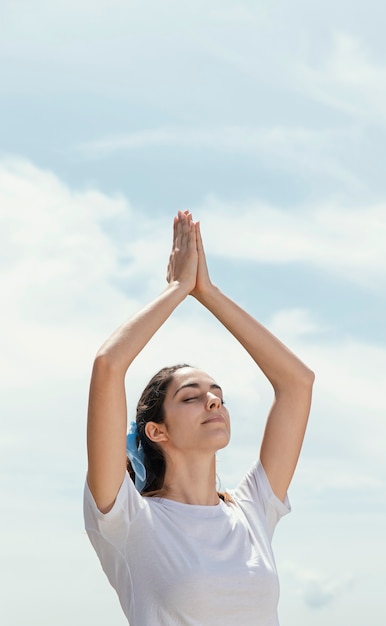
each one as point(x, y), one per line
point(196, 386)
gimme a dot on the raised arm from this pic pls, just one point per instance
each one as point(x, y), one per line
point(107, 415)
point(291, 380)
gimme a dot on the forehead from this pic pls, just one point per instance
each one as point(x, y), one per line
point(187, 375)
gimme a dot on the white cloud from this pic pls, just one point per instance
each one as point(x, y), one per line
point(270, 45)
point(294, 149)
point(58, 269)
point(344, 241)
point(230, 138)
point(345, 443)
point(349, 80)
point(317, 589)
point(294, 323)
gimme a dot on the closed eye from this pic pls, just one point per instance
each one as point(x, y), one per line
point(196, 398)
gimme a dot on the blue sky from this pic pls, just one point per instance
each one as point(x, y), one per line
point(268, 121)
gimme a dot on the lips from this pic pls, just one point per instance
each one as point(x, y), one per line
point(214, 418)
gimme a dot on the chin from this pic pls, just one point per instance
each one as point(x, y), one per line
point(220, 445)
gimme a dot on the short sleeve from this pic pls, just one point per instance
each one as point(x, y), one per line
point(112, 527)
point(255, 490)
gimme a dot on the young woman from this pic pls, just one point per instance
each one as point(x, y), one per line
point(176, 551)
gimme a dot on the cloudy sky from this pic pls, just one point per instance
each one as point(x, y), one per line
point(268, 121)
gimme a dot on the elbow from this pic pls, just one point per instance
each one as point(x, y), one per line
point(296, 385)
point(309, 377)
point(105, 364)
point(299, 381)
point(305, 380)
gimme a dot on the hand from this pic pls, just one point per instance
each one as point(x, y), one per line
point(203, 282)
point(183, 260)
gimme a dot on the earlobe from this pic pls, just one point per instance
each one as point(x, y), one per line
point(155, 432)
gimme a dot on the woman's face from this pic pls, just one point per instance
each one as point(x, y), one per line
point(195, 416)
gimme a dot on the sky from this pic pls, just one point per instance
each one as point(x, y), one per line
point(268, 121)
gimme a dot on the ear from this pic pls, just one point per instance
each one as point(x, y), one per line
point(156, 432)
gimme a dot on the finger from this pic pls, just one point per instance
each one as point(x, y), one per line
point(200, 245)
point(185, 228)
point(192, 233)
point(185, 231)
point(179, 230)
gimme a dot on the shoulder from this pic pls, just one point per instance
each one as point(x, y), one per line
point(126, 507)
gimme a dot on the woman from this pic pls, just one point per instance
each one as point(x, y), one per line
point(176, 551)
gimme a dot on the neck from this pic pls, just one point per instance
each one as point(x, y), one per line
point(191, 480)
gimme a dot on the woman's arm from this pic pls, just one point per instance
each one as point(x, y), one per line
point(291, 380)
point(107, 415)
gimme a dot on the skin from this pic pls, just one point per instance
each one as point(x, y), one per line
point(190, 473)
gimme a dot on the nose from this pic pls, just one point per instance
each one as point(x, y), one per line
point(212, 401)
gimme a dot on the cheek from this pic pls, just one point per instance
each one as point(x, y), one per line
point(177, 421)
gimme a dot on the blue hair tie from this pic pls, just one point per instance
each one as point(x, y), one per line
point(136, 456)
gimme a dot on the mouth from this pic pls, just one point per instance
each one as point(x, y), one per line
point(214, 418)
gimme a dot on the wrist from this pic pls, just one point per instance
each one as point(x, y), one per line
point(178, 287)
point(206, 293)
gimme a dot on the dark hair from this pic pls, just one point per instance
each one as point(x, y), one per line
point(150, 409)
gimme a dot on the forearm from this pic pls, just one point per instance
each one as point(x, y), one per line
point(131, 337)
point(282, 368)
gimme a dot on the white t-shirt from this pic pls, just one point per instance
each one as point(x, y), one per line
point(175, 564)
